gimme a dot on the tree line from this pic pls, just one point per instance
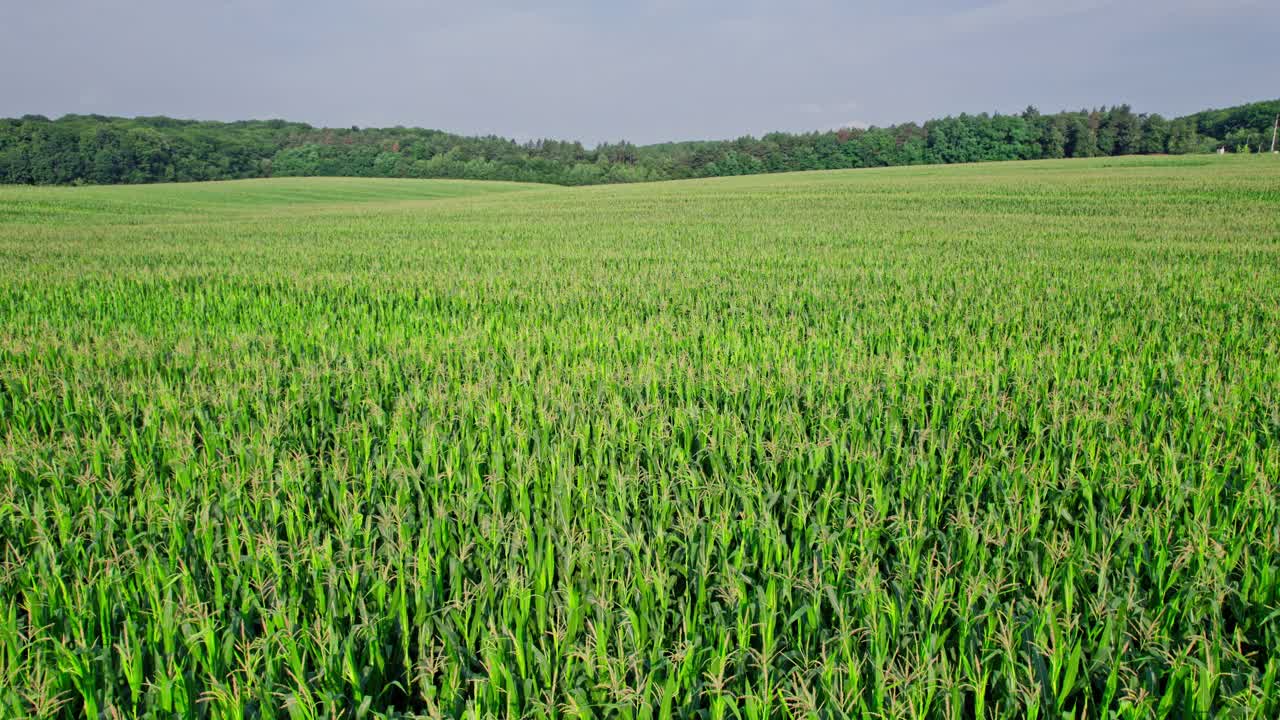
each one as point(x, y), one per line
point(94, 149)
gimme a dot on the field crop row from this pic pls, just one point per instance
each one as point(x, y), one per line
point(997, 440)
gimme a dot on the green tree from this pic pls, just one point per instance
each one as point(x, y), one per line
point(94, 148)
point(1127, 129)
point(1182, 137)
point(1053, 137)
point(1081, 140)
point(1155, 135)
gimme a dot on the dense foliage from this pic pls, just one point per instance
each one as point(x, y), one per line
point(102, 150)
point(981, 441)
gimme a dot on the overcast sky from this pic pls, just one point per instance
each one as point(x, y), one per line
point(646, 71)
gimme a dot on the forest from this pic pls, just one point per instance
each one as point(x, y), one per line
point(94, 149)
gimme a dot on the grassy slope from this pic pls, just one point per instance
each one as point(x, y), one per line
point(135, 204)
point(754, 441)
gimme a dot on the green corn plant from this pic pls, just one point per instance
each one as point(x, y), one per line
point(975, 441)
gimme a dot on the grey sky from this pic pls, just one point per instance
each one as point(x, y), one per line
point(647, 71)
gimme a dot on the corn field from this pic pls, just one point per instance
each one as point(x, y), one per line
point(964, 442)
